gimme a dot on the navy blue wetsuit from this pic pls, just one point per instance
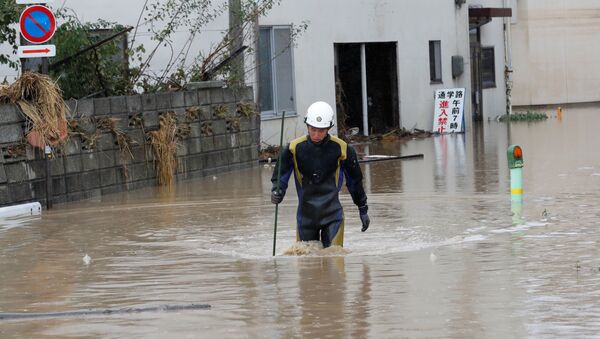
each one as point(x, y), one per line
point(319, 169)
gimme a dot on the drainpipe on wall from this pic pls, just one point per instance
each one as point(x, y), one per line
point(508, 70)
point(256, 62)
point(236, 34)
point(255, 83)
point(365, 98)
point(47, 154)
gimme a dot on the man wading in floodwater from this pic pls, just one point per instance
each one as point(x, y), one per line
point(319, 162)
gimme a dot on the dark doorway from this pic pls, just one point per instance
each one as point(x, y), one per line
point(348, 88)
point(382, 87)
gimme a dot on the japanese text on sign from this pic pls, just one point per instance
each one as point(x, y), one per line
point(449, 110)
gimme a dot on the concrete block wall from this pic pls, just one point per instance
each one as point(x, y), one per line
point(92, 164)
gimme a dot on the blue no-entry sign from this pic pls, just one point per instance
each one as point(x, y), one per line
point(37, 24)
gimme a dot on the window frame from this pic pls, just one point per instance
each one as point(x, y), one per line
point(434, 61)
point(276, 113)
point(487, 82)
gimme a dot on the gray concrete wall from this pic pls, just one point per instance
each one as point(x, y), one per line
point(93, 164)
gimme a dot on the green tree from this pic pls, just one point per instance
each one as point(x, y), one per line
point(101, 71)
point(164, 18)
point(9, 17)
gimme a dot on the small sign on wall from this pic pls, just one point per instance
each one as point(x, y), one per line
point(448, 116)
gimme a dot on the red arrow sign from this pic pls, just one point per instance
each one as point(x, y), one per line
point(29, 51)
point(36, 51)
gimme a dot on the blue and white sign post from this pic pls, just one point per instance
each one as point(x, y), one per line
point(37, 25)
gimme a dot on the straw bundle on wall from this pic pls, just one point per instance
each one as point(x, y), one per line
point(4, 94)
point(40, 99)
point(164, 146)
point(122, 139)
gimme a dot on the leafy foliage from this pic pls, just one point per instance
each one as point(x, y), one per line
point(9, 17)
point(102, 70)
point(166, 18)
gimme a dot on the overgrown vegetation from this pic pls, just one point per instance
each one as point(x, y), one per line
point(9, 16)
point(524, 116)
point(166, 18)
point(102, 71)
point(247, 109)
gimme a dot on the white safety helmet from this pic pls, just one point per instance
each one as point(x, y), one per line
point(319, 115)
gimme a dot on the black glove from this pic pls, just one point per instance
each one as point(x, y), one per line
point(364, 217)
point(276, 196)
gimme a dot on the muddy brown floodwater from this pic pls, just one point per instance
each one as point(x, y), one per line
point(444, 258)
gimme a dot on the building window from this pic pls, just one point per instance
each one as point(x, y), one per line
point(488, 67)
point(435, 61)
point(276, 72)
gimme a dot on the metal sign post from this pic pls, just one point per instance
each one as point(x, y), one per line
point(37, 25)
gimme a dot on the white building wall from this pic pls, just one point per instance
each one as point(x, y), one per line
point(492, 35)
point(410, 24)
point(556, 52)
